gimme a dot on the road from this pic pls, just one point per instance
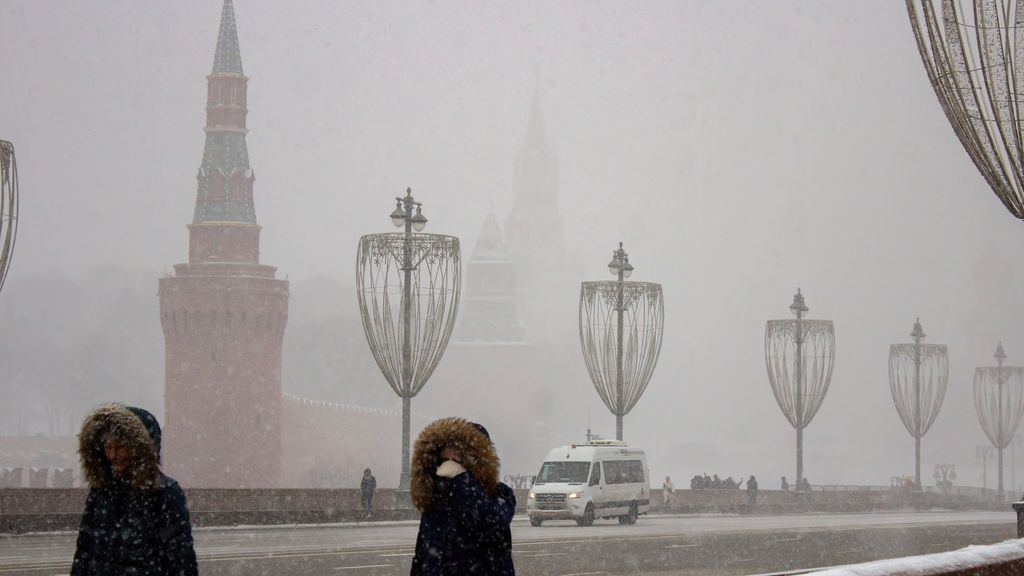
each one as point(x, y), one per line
point(713, 545)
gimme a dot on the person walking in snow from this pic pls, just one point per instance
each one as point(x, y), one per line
point(367, 486)
point(751, 490)
point(668, 492)
point(465, 512)
point(136, 520)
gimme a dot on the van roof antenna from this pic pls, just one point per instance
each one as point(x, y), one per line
point(588, 426)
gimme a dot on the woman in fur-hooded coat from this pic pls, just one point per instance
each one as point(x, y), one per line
point(135, 520)
point(466, 512)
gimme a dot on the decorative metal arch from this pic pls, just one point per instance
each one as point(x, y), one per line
point(975, 62)
point(799, 355)
point(918, 415)
point(918, 374)
point(813, 367)
point(643, 322)
point(8, 207)
point(999, 402)
point(430, 293)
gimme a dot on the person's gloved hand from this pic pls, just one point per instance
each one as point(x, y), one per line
point(504, 492)
point(450, 469)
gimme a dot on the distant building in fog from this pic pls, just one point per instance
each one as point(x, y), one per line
point(489, 311)
point(533, 231)
point(499, 364)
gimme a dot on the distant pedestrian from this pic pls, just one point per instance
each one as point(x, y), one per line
point(367, 487)
point(136, 520)
point(752, 490)
point(466, 512)
point(668, 492)
point(785, 484)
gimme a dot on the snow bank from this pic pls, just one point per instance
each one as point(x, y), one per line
point(945, 563)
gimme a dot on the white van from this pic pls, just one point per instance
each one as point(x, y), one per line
point(602, 479)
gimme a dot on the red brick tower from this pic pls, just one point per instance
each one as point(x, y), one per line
point(223, 313)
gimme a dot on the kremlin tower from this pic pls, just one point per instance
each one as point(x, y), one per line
point(223, 313)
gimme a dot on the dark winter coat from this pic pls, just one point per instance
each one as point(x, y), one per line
point(134, 525)
point(368, 485)
point(465, 522)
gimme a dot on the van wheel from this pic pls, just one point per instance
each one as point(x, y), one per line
point(633, 513)
point(588, 516)
point(534, 521)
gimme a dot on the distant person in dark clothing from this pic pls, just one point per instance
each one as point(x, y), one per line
point(752, 490)
point(135, 521)
point(465, 527)
point(366, 487)
point(785, 485)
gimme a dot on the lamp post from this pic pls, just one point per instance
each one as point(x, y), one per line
point(409, 286)
point(799, 355)
point(1013, 462)
point(918, 376)
point(982, 453)
point(621, 326)
point(999, 402)
point(8, 206)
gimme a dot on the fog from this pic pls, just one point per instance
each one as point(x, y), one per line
point(739, 151)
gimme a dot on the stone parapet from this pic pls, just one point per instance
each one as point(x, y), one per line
point(48, 509)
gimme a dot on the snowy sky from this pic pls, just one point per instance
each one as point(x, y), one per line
point(739, 149)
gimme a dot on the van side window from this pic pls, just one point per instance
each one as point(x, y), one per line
point(614, 472)
point(623, 471)
point(595, 474)
point(634, 471)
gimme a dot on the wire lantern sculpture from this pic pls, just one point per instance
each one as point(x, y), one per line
point(975, 61)
point(8, 207)
point(408, 287)
point(999, 402)
point(799, 355)
point(918, 375)
point(621, 327)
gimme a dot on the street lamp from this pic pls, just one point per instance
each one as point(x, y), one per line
point(918, 375)
point(983, 453)
point(8, 206)
point(999, 402)
point(621, 325)
point(799, 355)
point(1013, 462)
point(409, 286)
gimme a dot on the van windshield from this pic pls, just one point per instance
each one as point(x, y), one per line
point(571, 472)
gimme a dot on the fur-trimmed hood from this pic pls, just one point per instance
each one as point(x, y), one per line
point(134, 428)
point(478, 457)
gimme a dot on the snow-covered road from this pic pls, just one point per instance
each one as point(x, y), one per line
point(712, 544)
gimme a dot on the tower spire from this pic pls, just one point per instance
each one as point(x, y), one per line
point(535, 139)
point(225, 177)
point(228, 58)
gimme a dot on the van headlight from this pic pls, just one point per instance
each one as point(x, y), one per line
point(575, 495)
point(531, 495)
